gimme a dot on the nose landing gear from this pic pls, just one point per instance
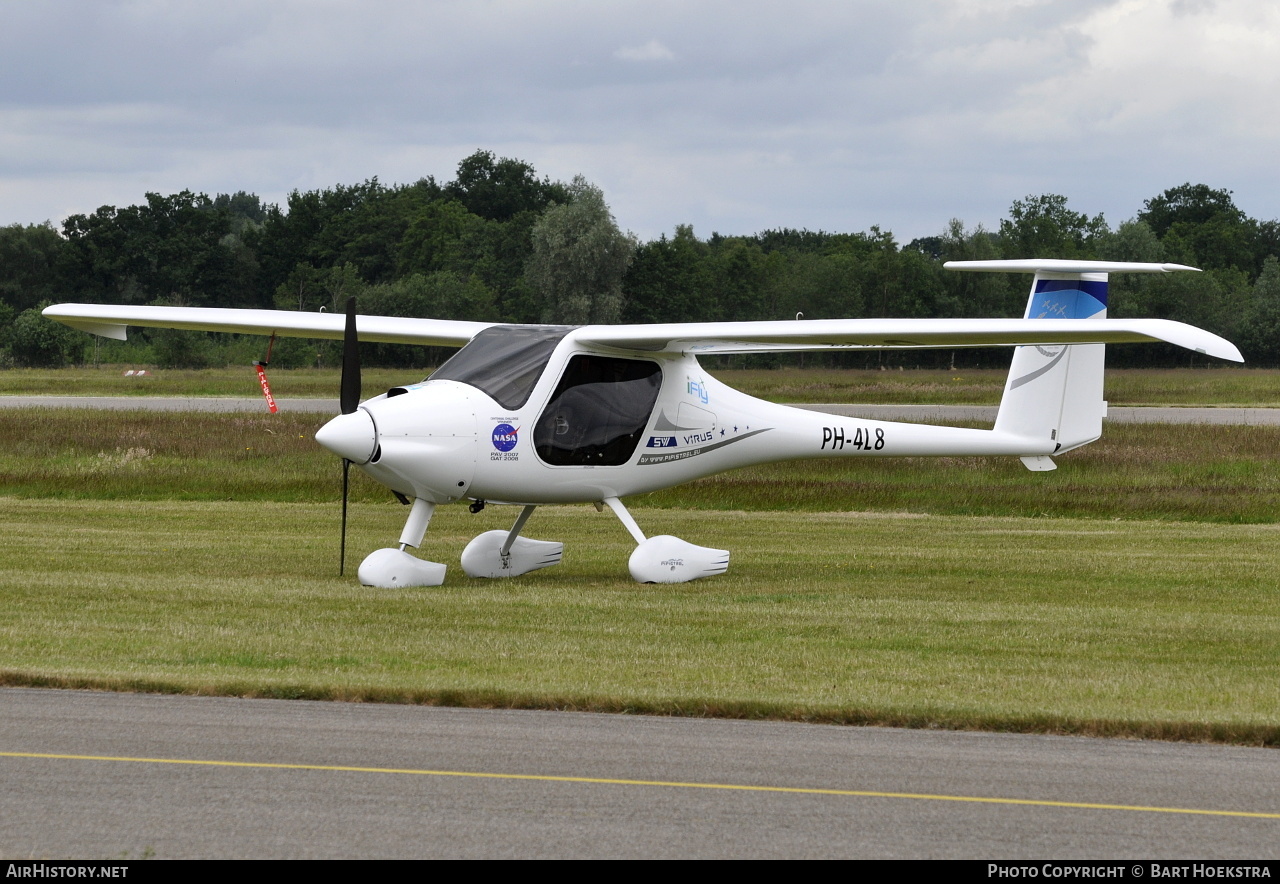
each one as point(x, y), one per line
point(394, 568)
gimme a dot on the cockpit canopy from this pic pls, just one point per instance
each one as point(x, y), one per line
point(504, 361)
point(598, 411)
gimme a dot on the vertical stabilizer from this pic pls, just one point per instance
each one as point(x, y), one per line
point(1056, 391)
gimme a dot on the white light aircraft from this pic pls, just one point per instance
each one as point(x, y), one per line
point(527, 415)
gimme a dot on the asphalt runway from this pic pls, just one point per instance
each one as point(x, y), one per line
point(1117, 414)
point(89, 775)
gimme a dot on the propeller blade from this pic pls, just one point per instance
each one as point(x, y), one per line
point(350, 393)
point(349, 400)
point(342, 551)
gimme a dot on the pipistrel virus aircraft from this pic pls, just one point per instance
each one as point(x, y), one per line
point(526, 415)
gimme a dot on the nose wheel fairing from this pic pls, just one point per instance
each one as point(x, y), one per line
point(396, 569)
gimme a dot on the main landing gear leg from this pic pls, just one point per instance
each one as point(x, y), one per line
point(506, 554)
point(667, 559)
point(395, 568)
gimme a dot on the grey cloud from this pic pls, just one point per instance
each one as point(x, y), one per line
point(808, 114)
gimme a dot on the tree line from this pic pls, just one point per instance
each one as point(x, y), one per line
point(500, 243)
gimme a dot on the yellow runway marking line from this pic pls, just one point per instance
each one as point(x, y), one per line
point(670, 784)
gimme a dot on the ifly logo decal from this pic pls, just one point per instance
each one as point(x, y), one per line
point(505, 437)
point(698, 389)
point(661, 442)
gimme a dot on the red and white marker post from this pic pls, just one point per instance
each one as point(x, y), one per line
point(262, 377)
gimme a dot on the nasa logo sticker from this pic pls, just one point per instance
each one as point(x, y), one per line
point(505, 437)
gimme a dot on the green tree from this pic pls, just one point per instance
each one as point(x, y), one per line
point(1220, 243)
point(733, 279)
point(1201, 226)
point(42, 343)
point(309, 288)
point(579, 258)
point(181, 349)
point(326, 228)
point(1260, 339)
point(7, 315)
point(173, 245)
point(500, 189)
point(1130, 294)
point(244, 209)
point(435, 238)
point(1187, 204)
point(439, 295)
point(664, 280)
point(340, 283)
point(1043, 227)
point(303, 290)
point(33, 264)
point(1133, 240)
point(977, 295)
point(819, 286)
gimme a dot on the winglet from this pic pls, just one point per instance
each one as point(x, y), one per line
point(112, 330)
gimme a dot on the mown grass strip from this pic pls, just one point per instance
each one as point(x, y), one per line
point(1164, 630)
point(1214, 386)
point(1136, 471)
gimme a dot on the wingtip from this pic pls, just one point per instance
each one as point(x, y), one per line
point(75, 316)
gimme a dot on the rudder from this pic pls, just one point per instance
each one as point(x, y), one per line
point(1056, 391)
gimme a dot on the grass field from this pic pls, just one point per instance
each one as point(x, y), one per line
point(1137, 471)
point(1132, 592)
point(1205, 387)
point(1139, 628)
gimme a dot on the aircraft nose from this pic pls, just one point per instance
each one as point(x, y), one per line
point(352, 436)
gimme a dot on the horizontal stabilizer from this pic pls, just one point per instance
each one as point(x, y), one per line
point(1060, 265)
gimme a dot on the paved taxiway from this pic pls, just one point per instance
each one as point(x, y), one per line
point(86, 775)
point(1117, 414)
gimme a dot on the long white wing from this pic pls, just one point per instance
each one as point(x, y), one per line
point(110, 320)
point(848, 334)
point(687, 337)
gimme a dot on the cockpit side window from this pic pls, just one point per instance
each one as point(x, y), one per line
point(598, 412)
point(504, 361)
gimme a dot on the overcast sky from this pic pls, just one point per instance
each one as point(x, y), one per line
point(732, 116)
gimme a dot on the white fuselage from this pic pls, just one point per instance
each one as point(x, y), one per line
point(444, 440)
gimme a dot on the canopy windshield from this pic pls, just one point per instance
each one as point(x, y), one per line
point(504, 361)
